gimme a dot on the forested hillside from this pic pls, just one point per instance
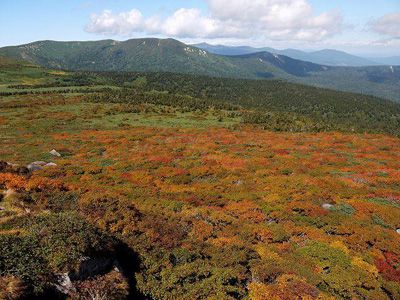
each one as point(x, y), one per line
point(169, 55)
point(132, 55)
point(272, 104)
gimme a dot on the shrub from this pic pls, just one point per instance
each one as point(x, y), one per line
point(22, 257)
point(65, 238)
point(111, 286)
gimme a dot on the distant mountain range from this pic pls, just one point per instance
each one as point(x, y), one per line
point(169, 55)
point(324, 57)
point(394, 60)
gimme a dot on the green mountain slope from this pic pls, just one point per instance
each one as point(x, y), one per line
point(328, 57)
point(381, 81)
point(14, 71)
point(169, 55)
point(132, 55)
point(276, 104)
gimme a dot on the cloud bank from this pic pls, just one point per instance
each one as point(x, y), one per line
point(282, 20)
point(388, 25)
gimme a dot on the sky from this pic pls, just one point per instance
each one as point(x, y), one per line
point(363, 27)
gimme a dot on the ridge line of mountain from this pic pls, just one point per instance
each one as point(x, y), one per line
point(170, 55)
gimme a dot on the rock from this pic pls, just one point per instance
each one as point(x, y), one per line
point(64, 284)
point(36, 165)
point(22, 170)
point(55, 153)
point(6, 167)
point(327, 206)
point(90, 267)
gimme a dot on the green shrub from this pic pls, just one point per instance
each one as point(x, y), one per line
point(65, 238)
point(23, 257)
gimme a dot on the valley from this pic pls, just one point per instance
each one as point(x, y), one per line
point(174, 186)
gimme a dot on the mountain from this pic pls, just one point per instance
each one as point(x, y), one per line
point(169, 55)
point(278, 65)
point(156, 55)
point(324, 57)
point(231, 50)
point(382, 81)
point(394, 60)
point(329, 57)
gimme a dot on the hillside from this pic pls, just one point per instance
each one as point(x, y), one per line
point(327, 57)
point(160, 186)
point(132, 55)
point(155, 55)
point(330, 57)
point(232, 50)
point(172, 186)
point(380, 81)
point(273, 104)
point(279, 65)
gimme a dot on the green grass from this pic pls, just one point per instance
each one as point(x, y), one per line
point(30, 129)
point(383, 201)
point(162, 120)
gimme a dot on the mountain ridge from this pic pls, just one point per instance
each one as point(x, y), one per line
point(170, 55)
point(330, 57)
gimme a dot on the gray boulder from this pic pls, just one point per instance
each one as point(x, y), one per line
point(39, 165)
point(55, 153)
point(64, 284)
point(36, 165)
point(327, 206)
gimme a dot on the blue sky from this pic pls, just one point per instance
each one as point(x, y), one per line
point(367, 27)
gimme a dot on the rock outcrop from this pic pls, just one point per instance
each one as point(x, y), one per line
point(39, 165)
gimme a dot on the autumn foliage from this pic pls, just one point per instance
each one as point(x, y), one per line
point(228, 214)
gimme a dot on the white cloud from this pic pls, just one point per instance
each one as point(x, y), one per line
point(276, 19)
point(275, 13)
point(388, 25)
point(189, 23)
point(116, 24)
point(269, 19)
